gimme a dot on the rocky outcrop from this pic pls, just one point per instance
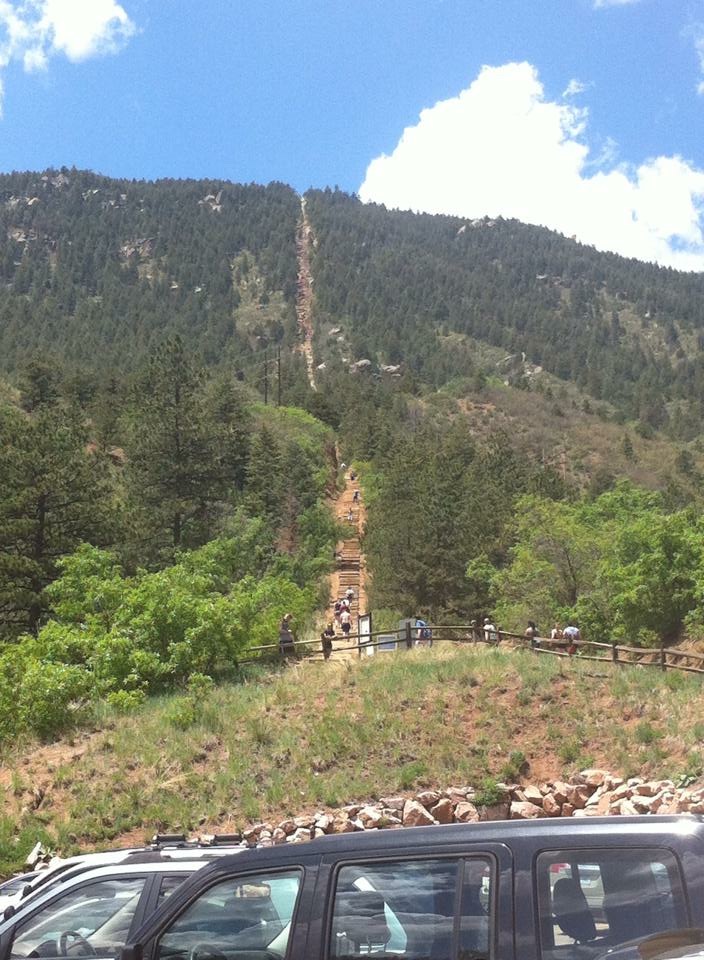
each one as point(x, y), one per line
point(589, 793)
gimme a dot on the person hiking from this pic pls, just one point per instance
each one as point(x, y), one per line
point(350, 515)
point(327, 637)
point(573, 636)
point(424, 635)
point(491, 634)
point(355, 497)
point(346, 621)
point(532, 633)
point(287, 646)
point(349, 594)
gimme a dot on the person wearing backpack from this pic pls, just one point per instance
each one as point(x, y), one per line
point(424, 635)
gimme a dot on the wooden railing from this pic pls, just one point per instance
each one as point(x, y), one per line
point(662, 658)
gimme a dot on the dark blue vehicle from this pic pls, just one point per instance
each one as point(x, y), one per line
point(553, 889)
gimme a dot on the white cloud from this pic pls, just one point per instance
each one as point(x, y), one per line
point(574, 88)
point(500, 148)
point(698, 34)
point(599, 4)
point(33, 31)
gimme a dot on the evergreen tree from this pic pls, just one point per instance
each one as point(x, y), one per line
point(54, 493)
point(175, 474)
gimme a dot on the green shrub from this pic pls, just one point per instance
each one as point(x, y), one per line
point(125, 701)
point(646, 733)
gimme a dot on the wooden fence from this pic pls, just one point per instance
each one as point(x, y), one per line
point(661, 658)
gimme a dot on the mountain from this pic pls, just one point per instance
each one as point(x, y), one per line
point(413, 288)
point(98, 271)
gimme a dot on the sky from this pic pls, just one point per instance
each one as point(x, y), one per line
point(585, 116)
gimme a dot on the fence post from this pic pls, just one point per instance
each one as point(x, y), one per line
point(663, 658)
point(614, 652)
point(409, 635)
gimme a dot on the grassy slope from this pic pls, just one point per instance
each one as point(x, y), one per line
point(556, 430)
point(320, 735)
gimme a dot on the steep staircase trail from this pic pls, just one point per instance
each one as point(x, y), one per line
point(304, 292)
point(351, 566)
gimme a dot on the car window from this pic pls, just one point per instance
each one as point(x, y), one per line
point(589, 903)
point(245, 916)
point(91, 920)
point(412, 909)
point(168, 884)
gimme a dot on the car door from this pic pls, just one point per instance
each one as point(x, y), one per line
point(434, 904)
point(221, 914)
point(93, 918)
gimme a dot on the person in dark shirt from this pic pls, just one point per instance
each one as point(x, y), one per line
point(327, 637)
point(287, 646)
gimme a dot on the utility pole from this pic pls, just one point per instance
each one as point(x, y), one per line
point(266, 377)
point(278, 376)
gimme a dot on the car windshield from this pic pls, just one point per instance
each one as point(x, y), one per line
point(94, 918)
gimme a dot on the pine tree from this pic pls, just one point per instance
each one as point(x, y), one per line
point(54, 493)
point(174, 472)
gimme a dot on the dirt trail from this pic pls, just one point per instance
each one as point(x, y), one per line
point(304, 294)
point(351, 566)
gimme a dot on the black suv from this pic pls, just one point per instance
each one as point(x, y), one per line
point(552, 889)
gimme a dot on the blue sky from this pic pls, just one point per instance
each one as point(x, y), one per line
point(589, 118)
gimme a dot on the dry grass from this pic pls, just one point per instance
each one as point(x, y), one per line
point(323, 734)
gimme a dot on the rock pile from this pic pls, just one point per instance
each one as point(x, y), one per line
point(591, 793)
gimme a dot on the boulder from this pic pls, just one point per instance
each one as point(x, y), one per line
point(415, 815)
point(370, 817)
point(442, 811)
point(567, 810)
point(495, 811)
point(466, 812)
point(594, 777)
point(621, 792)
point(301, 835)
point(533, 795)
point(579, 796)
point(524, 810)
point(648, 789)
point(324, 822)
point(343, 824)
point(550, 805)
point(456, 794)
point(561, 791)
point(392, 803)
point(644, 804)
point(428, 798)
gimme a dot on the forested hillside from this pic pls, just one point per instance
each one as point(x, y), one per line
point(403, 284)
point(99, 271)
point(506, 393)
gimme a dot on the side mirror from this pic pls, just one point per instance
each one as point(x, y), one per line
point(132, 951)
point(9, 912)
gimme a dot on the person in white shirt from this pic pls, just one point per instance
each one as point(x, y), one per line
point(346, 622)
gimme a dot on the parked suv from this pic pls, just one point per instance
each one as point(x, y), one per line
point(488, 891)
point(88, 906)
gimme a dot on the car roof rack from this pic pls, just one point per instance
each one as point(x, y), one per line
point(160, 840)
